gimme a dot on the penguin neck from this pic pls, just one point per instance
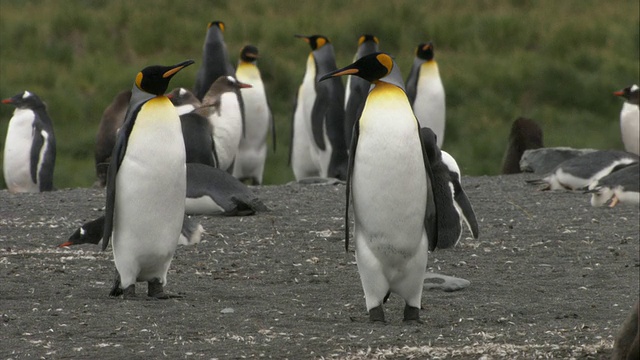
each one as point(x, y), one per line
point(394, 78)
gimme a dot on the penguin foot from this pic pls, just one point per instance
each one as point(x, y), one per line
point(376, 315)
point(412, 314)
point(156, 291)
point(130, 292)
point(115, 289)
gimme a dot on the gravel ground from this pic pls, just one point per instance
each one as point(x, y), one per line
point(551, 277)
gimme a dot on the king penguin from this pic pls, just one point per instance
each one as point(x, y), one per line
point(111, 120)
point(30, 148)
point(391, 181)
point(146, 186)
point(630, 119)
point(318, 148)
point(357, 88)
point(426, 92)
point(222, 109)
point(252, 151)
point(215, 59)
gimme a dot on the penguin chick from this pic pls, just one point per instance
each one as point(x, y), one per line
point(579, 172)
point(146, 186)
point(221, 107)
point(426, 92)
point(30, 147)
point(111, 120)
point(630, 119)
point(525, 134)
point(252, 150)
point(395, 228)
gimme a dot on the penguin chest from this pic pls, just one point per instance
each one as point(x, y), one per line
point(17, 152)
point(227, 128)
point(630, 128)
point(389, 179)
point(429, 105)
point(256, 109)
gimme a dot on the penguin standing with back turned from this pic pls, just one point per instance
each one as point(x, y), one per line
point(426, 92)
point(146, 186)
point(395, 228)
point(318, 147)
point(30, 148)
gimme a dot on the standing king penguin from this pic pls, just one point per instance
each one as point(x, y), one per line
point(318, 147)
point(426, 92)
point(630, 119)
point(146, 186)
point(357, 88)
point(215, 59)
point(391, 182)
point(30, 148)
point(252, 151)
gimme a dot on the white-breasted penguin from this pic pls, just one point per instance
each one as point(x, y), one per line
point(91, 232)
point(357, 88)
point(215, 59)
point(196, 128)
point(30, 148)
point(252, 151)
point(391, 182)
point(318, 148)
point(426, 92)
point(146, 186)
point(622, 185)
point(111, 120)
point(221, 107)
point(579, 172)
point(630, 119)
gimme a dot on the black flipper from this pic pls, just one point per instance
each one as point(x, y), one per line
point(352, 155)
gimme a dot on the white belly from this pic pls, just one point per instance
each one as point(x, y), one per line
point(150, 199)
point(227, 129)
point(429, 105)
point(630, 128)
point(17, 152)
point(203, 205)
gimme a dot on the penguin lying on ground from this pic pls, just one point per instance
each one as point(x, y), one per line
point(622, 185)
point(220, 106)
point(318, 147)
point(252, 150)
point(146, 186)
point(579, 172)
point(111, 120)
point(630, 118)
point(30, 147)
point(525, 134)
point(395, 228)
point(92, 231)
point(426, 92)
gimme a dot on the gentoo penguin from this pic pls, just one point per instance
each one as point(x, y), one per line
point(92, 231)
point(357, 88)
point(196, 129)
point(184, 100)
point(211, 191)
point(426, 92)
point(525, 134)
point(215, 59)
point(30, 148)
point(317, 145)
point(448, 192)
point(252, 151)
point(221, 107)
point(622, 185)
point(111, 120)
point(630, 119)
point(395, 228)
point(146, 186)
point(579, 172)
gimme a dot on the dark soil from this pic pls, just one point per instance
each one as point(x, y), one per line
point(551, 277)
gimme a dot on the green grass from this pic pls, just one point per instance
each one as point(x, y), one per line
point(557, 62)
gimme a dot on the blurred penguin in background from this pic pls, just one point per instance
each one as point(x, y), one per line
point(630, 119)
point(525, 134)
point(215, 59)
point(30, 148)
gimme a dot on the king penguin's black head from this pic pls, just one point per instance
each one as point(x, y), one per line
point(315, 41)
point(249, 53)
point(155, 79)
point(370, 67)
point(425, 51)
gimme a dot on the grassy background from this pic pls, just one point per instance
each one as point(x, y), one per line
point(557, 62)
